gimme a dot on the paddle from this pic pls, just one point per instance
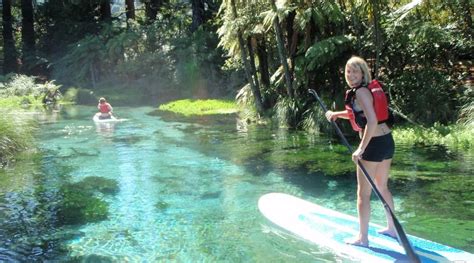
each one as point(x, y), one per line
point(402, 237)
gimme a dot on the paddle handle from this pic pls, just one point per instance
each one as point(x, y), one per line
point(402, 238)
point(334, 124)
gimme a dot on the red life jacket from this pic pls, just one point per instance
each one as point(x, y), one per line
point(104, 108)
point(356, 118)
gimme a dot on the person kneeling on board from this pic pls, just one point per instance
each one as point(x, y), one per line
point(105, 109)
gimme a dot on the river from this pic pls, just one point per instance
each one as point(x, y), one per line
point(155, 188)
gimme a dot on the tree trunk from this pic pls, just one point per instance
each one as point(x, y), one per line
point(151, 9)
point(252, 62)
point(292, 38)
point(309, 36)
point(105, 12)
point(9, 49)
point(466, 7)
point(130, 6)
point(281, 51)
point(262, 56)
point(198, 14)
point(247, 67)
point(289, 22)
point(342, 4)
point(357, 25)
point(377, 36)
point(28, 33)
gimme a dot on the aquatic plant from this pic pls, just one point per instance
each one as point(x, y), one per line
point(189, 107)
point(79, 207)
point(162, 205)
point(456, 224)
point(15, 135)
point(99, 184)
point(326, 161)
point(453, 136)
point(79, 203)
point(28, 220)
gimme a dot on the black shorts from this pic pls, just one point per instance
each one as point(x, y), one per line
point(380, 148)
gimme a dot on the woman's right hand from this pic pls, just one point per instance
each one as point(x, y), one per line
point(330, 115)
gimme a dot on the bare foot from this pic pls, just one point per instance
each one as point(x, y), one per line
point(357, 242)
point(388, 232)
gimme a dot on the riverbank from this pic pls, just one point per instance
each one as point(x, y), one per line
point(457, 136)
point(16, 135)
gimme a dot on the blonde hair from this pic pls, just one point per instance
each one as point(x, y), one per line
point(356, 61)
point(102, 99)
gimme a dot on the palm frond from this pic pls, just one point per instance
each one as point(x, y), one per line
point(466, 115)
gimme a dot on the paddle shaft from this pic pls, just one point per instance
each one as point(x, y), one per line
point(402, 237)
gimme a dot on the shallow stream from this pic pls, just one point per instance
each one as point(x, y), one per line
point(156, 188)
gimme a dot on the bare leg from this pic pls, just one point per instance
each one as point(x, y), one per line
point(381, 180)
point(364, 191)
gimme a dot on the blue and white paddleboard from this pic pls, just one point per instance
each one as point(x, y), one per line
point(329, 228)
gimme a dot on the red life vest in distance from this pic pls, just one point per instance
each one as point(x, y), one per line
point(104, 108)
point(380, 102)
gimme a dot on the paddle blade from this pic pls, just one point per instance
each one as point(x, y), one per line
point(403, 239)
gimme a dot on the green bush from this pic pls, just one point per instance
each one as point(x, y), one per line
point(22, 85)
point(424, 95)
point(19, 90)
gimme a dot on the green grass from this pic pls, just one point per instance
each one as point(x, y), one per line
point(189, 107)
point(19, 101)
point(15, 135)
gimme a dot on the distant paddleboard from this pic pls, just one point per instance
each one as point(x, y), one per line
point(96, 119)
point(329, 228)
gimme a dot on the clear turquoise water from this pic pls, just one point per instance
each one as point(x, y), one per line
point(187, 193)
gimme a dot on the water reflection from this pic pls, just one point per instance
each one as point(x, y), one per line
point(50, 113)
point(105, 128)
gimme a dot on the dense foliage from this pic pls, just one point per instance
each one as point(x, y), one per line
point(420, 50)
point(272, 51)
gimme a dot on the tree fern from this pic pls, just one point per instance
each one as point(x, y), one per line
point(325, 51)
point(466, 115)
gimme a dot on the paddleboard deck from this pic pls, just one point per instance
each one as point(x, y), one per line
point(113, 119)
point(329, 228)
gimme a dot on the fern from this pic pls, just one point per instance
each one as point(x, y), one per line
point(325, 51)
point(466, 115)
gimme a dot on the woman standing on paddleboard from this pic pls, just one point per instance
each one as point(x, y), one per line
point(376, 148)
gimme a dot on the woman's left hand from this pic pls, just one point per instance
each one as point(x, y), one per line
point(357, 155)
